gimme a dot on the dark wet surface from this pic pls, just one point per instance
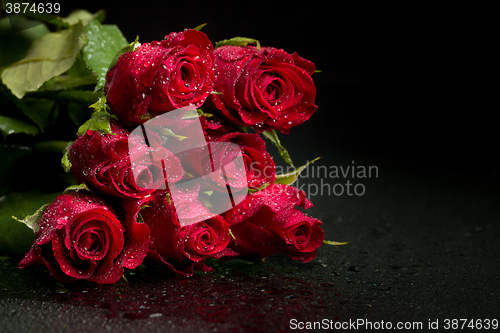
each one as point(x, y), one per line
point(421, 248)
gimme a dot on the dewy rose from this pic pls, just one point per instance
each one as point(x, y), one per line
point(161, 76)
point(184, 248)
point(105, 161)
point(81, 237)
point(266, 89)
point(242, 156)
point(268, 222)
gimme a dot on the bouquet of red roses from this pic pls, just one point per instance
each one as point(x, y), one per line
point(172, 164)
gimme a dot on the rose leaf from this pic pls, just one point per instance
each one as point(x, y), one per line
point(10, 126)
point(200, 27)
point(65, 161)
point(273, 137)
point(104, 41)
point(99, 121)
point(16, 35)
point(77, 188)
point(84, 16)
point(239, 41)
point(49, 55)
point(253, 190)
point(166, 132)
point(291, 177)
point(16, 237)
point(32, 221)
point(37, 110)
point(334, 243)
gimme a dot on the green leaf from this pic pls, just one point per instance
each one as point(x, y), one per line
point(11, 126)
point(16, 44)
point(240, 41)
point(253, 190)
point(79, 15)
point(37, 110)
point(77, 188)
point(273, 137)
point(64, 82)
point(100, 105)
point(201, 112)
point(99, 121)
point(166, 132)
point(129, 48)
point(50, 55)
point(291, 177)
point(32, 221)
point(334, 243)
point(40, 111)
point(191, 114)
point(16, 237)
point(200, 27)
point(65, 161)
point(79, 69)
point(104, 41)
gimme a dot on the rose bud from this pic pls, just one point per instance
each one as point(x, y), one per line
point(80, 237)
point(268, 222)
point(161, 76)
point(183, 248)
point(114, 165)
point(266, 89)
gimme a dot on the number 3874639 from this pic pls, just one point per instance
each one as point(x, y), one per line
point(27, 7)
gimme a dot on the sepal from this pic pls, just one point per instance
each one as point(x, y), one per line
point(239, 41)
point(290, 177)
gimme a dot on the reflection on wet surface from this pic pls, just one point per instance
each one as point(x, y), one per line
point(239, 296)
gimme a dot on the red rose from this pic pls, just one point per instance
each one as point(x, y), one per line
point(81, 237)
point(183, 248)
point(258, 166)
point(239, 160)
point(215, 129)
point(161, 76)
point(266, 89)
point(268, 222)
point(117, 166)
